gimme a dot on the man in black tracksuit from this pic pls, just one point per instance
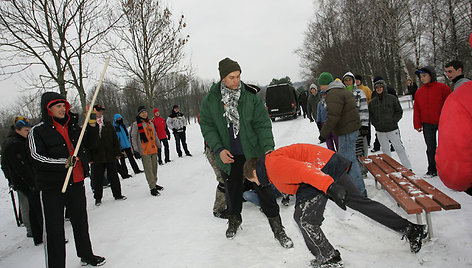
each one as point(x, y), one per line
point(51, 145)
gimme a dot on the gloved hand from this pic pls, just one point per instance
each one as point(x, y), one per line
point(338, 194)
point(174, 130)
point(364, 131)
point(71, 161)
point(184, 128)
point(168, 137)
point(137, 155)
point(311, 120)
point(321, 139)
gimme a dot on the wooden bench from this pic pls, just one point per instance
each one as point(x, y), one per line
point(411, 192)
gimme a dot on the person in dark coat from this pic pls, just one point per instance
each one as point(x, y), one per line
point(385, 113)
point(303, 100)
point(20, 174)
point(103, 158)
point(411, 88)
point(312, 104)
point(51, 146)
point(391, 91)
point(123, 137)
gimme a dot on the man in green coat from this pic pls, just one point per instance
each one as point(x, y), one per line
point(235, 124)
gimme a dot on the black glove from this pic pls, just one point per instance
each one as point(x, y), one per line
point(338, 194)
point(364, 130)
point(311, 120)
point(137, 155)
point(184, 128)
point(321, 139)
point(174, 130)
point(168, 137)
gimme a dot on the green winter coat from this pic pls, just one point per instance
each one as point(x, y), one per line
point(255, 130)
point(342, 117)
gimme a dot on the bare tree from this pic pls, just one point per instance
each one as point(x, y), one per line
point(56, 35)
point(151, 45)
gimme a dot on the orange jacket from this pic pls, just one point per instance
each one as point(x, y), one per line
point(289, 166)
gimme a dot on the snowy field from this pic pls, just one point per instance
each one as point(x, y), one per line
point(177, 229)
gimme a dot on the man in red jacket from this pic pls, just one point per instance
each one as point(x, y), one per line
point(163, 134)
point(315, 174)
point(429, 100)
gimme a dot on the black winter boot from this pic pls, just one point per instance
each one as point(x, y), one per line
point(234, 221)
point(415, 234)
point(279, 233)
point(334, 261)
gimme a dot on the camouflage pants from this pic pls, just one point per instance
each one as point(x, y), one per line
point(220, 199)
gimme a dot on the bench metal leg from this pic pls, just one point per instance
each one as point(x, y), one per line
point(430, 225)
point(419, 219)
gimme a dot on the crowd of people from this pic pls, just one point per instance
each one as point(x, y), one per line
point(240, 147)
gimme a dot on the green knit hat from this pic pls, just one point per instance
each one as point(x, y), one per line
point(325, 78)
point(227, 66)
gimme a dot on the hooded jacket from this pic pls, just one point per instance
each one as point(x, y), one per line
point(361, 101)
point(429, 100)
point(453, 155)
point(121, 132)
point(343, 117)
point(255, 131)
point(385, 111)
point(48, 148)
point(16, 163)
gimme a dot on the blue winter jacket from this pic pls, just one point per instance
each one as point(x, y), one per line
point(121, 133)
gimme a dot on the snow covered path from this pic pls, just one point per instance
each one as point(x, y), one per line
point(177, 229)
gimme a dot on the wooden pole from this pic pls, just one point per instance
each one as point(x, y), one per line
point(84, 125)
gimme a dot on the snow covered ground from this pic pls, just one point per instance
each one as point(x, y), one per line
point(177, 229)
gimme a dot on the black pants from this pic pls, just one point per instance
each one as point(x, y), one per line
point(35, 215)
point(429, 133)
point(53, 207)
point(180, 138)
point(165, 142)
point(98, 173)
point(309, 216)
point(121, 165)
point(234, 184)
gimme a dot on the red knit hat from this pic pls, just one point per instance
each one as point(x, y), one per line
point(155, 110)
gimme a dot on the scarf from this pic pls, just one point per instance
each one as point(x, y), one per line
point(140, 121)
point(100, 125)
point(230, 98)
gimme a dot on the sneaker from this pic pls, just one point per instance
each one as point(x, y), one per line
point(160, 163)
point(415, 234)
point(188, 154)
point(98, 202)
point(334, 262)
point(159, 188)
point(127, 176)
point(431, 174)
point(139, 171)
point(93, 261)
point(121, 198)
point(374, 150)
point(168, 160)
point(234, 222)
point(155, 192)
point(221, 214)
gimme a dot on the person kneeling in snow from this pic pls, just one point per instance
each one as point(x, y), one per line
point(315, 174)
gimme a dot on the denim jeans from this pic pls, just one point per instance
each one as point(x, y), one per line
point(430, 135)
point(347, 148)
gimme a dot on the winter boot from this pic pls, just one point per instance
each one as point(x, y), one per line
point(415, 234)
point(93, 261)
point(279, 233)
point(334, 262)
point(234, 221)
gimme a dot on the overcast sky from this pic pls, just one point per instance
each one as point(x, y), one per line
point(261, 35)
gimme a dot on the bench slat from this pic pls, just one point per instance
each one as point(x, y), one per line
point(423, 200)
point(441, 198)
point(403, 199)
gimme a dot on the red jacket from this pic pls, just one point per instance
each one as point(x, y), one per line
point(289, 166)
point(429, 100)
point(160, 125)
point(454, 152)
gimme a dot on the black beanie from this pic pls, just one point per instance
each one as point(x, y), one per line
point(377, 78)
point(227, 66)
point(141, 108)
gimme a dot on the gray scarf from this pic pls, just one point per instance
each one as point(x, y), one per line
point(230, 98)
